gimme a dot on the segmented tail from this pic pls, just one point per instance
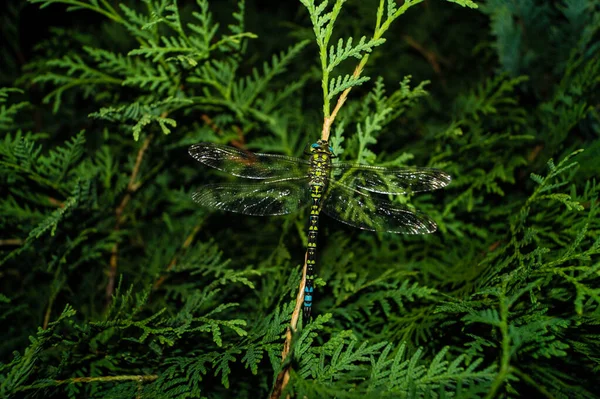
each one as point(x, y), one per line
point(311, 256)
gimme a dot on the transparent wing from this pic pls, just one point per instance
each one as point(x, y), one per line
point(390, 180)
point(278, 197)
point(376, 214)
point(248, 164)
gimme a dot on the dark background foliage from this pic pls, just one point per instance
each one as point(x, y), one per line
point(114, 284)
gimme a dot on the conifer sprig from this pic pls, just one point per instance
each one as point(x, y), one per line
point(323, 23)
point(177, 67)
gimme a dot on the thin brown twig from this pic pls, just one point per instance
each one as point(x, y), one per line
point(328, 121)
point(284, 375)
point(430, 56)
point(533, 154)
point(240, 142)
point(188, 241)
point(11, 241)
point(211, 124)
point(56, 202)
point(190, 238)
point(132, 187)
point(47, 314)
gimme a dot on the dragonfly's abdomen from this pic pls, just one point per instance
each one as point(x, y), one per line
point(320, 168)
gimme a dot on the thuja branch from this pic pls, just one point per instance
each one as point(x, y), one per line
point(323, 36)
point(132, 187)
point(284, 375)
point(505, 368)
point(80, 380)
point(109, 12)
point(239, 143)
point(328, 120)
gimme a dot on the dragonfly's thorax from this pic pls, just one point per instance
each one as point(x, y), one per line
point(320, 166)
point(320, 161)
point(319, 170)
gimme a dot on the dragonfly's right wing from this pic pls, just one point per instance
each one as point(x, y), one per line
point(390, 180)
point(248, 164)
point(277, 197)
point(371, 212)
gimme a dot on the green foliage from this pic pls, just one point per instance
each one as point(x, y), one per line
point(7, 114)
point(387, 374)
point(116, 285)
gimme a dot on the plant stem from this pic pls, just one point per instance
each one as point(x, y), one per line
point(284, 375)
point(132, 187)
point(505, 368)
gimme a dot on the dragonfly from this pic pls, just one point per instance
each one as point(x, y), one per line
point(354, 194)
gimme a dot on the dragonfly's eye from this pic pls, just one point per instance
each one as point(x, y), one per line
point(314, 145)
point(331, 149)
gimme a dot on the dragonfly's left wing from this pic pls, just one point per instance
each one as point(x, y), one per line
point(248, 164)
point(390, 180)
point(368, 212)
point(278, 197)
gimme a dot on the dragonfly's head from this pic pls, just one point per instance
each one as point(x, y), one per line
point(321, 146)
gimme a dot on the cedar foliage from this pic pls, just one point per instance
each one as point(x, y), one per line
point(116, 285)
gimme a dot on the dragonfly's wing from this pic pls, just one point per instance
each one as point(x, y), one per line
point(248, 164)
point(368, 212)
point(278, 197)
point(390, 180)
